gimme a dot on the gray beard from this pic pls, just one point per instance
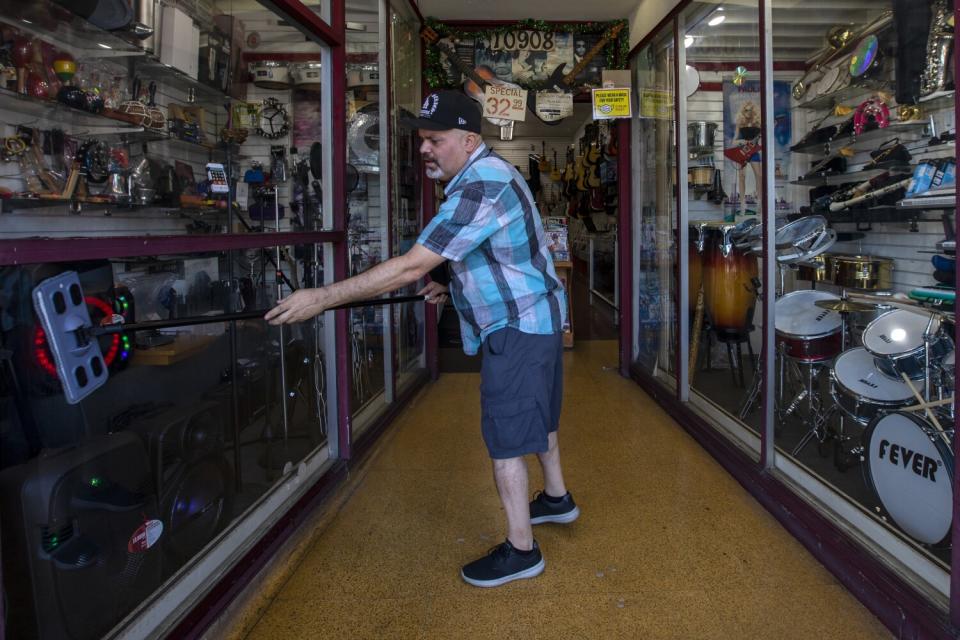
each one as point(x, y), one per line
point(434, 174)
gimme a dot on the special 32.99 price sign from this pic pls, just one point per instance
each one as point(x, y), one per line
point(505, 102)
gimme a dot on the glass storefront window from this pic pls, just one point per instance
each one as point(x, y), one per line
point(653, 144)
point(873, 109)
point(104, 500)
point(860, 193)
point(721, 202)
point(405, 188)
point(368, 210)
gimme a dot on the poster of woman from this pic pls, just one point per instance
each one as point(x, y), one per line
point(742, 145)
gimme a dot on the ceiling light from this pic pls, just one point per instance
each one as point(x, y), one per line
point(715, 20)
point(105, 46)
point(687, 42)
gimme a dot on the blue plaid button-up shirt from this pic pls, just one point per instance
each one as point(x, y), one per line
point(502, 274)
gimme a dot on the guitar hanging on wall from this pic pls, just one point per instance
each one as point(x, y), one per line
point(477, 78)
point(559, 82)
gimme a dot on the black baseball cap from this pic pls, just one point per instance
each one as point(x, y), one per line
point(447, 109)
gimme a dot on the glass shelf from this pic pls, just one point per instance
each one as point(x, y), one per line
point(80, 122)
point(66, 31)
point(829, 100)
point(843, 178)
point(151, 68)
point(874, 135)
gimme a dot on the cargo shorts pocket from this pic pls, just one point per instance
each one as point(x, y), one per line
point(513, 427)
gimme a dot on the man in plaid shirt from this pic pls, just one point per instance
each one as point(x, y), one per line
point(511, 305)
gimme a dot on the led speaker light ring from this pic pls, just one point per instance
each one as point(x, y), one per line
point(119, 344)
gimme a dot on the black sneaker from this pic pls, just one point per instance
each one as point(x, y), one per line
point(543, 510)
point(502, 565)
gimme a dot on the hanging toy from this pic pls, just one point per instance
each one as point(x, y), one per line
point(739, 75)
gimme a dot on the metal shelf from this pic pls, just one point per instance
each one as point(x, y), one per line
point(892, 130)
point(931, 202)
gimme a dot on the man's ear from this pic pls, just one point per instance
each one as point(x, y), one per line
point(471, 141)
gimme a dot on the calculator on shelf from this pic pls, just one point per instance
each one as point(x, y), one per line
point(217, 176)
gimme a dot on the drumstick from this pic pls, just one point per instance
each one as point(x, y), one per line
point(933, 418)
point(697, 329)
point(927, 405)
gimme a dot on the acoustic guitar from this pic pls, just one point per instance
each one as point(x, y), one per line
point(559, 82)
point(544, 164)
point(555, 171)
point(477, 78)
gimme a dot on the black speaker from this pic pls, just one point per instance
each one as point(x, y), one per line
point(192, 479)
point(81, 538)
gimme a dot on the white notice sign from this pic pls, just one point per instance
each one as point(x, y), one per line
point(507, 102)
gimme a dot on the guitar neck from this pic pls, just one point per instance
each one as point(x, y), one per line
point(455, 60)
point(569, 78)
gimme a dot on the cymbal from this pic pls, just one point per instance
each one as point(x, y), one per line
point(843, 306)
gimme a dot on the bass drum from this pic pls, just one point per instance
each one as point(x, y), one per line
point(729, 277)
point(909, 466)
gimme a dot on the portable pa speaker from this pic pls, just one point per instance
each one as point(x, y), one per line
point(81, 538)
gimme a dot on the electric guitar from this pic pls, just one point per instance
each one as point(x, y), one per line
point(559, 82)
point(477, 78)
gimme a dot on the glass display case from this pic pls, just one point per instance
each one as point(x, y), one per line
point(180, 162)
point(815, 159)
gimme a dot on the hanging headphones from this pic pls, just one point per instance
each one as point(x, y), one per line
point(274, 122)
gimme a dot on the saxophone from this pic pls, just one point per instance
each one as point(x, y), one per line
point(939, 42)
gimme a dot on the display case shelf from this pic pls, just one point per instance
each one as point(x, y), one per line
point(829, 100)
point(844, 178)
point(74, 121)
point(878, 214)
point(65, 30)
point(150, 68)
point(874, 135)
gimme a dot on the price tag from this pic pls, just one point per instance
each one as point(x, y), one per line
point(505, 102)
point(554, 106)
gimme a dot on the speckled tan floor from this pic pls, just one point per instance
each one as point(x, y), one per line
point(667, 546)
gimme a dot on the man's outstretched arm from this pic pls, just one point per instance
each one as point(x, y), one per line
point(387, 276)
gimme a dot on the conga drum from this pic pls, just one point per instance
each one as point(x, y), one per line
point(695, 259)
point(729, 277)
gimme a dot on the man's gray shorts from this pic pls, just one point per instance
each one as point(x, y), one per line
point(521, 390)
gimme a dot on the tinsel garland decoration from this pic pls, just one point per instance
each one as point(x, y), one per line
point(616, 51)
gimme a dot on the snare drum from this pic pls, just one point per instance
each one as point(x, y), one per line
point(910, 468)
point(816, 269)
point(896, 340)
point(271, 75)
point(862, 391)
point(807, 332)
point(866, 273)
point(306, 75)
point(728, 280)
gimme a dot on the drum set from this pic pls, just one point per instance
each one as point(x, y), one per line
point(869, 374)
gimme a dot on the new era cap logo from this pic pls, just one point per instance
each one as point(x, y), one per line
point(461, 121)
